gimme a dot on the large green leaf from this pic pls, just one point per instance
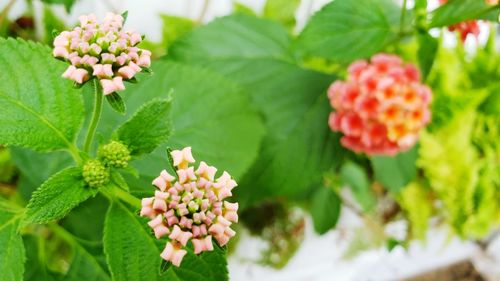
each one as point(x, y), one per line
point(345, 30)
point(40, 109)
point(396, 172)
point(325, 209)
point(11, 245)
point(234, 37)
point(58, 196)
point(298, 145)
point(130, 251)
point(29, 162)
point(456, 11)
point(147, 128)
point(209, 113)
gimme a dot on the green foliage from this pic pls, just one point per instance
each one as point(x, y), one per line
point(415, 200)
point(116, 103)
point(11, 245)
point(39, 109)
point(355, 177)
point(226, 136)
point(147, 128)
point(453, 168)
point(325, 210)
point(345, 30)
point(57, 196)
point(29, 162)
point(456, 11)
point(282, 11)
point(68, 4)
point(427, 50)
point(51, 23)
point(299, 144)
point(395, 172)
point(130, 250)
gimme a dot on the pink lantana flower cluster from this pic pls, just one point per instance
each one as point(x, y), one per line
point(381, 107)
point(101, 50)
point(191, 207)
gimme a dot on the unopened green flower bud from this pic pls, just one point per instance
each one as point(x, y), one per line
point(114, 154)
point(95, 173)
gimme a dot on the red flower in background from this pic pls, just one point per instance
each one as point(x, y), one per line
point(381, 107)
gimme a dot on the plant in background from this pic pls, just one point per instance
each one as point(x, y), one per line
point(246, 94)
point(382, 106)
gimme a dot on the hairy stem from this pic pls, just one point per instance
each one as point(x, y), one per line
point(96, 116)
point(127, 197)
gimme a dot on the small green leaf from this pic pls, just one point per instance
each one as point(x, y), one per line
point(147, 128)
point(427, 50)
point(345, 30)
point(396, 172)
point(355, 177)
point(12, 255)
point(325, 209)
point(455, 11)
point(282, 11)
point(116, 102)
point(130, 250)
point(125, 16)
point(58, 196)
point(118, 180)
point(39, 109)
point(241, 8)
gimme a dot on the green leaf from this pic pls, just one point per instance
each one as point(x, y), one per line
point(355, 177)
point(427, 50)
point(325, 210)
point(116, 103)
point(175, 27)
point(68, 4)
point(147, 128)
point(210, 114)
point(396, 172)
point(456, 11)
point(241, 8)
point(345, 30)
point(51, 23)
point(234, 37)
point(298, 145)
point(35, 264)
point(130, 251)
point(40, 110)
point(58, 196)
point(29, 162)
point(85, 267)
point(94, 208)
point(282, 11)
point(209, 266)
point(118, 180)
point(12, 254)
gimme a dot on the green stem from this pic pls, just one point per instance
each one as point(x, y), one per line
point(127, 197)
point(403, 16)
point(96, 115)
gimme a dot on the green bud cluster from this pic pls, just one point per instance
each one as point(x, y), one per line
point(114, 154)
point(95, 173)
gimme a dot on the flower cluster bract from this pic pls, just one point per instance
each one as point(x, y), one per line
point(191, 206)
point(381, 107)
point(101, 50)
